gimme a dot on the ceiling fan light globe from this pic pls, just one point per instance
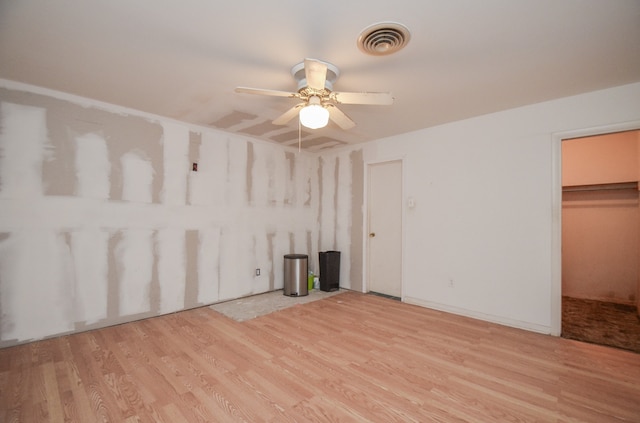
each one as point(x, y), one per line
point(314, 116)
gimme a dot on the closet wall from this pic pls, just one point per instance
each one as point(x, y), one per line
point(600, 221)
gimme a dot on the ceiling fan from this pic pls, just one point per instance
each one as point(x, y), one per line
point(318, 100)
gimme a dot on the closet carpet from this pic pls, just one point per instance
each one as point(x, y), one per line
point(603, 323)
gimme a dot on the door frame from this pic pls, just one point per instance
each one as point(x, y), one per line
point(365, 221)
point(556, 207)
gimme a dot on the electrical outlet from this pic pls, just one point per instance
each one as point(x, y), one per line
point(257, 272)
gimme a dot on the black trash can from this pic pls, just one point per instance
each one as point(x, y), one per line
point(329, 270)
point(295, 275)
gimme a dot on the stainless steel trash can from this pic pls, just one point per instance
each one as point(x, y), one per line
point(295, 275)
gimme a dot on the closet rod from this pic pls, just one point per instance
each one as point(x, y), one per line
point(601, 187)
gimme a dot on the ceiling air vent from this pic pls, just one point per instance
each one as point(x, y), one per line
point(383, 38)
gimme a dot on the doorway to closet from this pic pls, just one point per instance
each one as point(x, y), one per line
point(601, 239)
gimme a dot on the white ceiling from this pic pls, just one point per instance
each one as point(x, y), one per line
point(183, 59)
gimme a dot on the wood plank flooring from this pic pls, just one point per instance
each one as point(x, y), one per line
point(348, 358)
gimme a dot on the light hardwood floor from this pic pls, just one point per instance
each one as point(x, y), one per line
point(350, 357)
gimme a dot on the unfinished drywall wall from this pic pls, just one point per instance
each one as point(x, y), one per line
point(341, 214)
point(103, 218)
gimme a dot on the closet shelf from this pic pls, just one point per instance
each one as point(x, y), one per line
point(601, 187)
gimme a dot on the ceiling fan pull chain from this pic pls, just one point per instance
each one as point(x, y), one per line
point(299, 135)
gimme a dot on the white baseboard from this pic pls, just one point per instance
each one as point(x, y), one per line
point(546, 330)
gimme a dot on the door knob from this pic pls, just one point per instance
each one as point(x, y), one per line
point(372, 234)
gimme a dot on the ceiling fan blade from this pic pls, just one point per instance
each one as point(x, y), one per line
point(378, 99)
point(338, 116)
point(260, 91)
point(316, 73)
point(288, 115)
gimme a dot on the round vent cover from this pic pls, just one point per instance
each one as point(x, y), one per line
point(383, 38)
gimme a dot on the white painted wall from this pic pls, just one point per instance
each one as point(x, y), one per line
point(485, 205)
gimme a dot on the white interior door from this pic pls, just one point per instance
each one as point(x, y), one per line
point(384, 267)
